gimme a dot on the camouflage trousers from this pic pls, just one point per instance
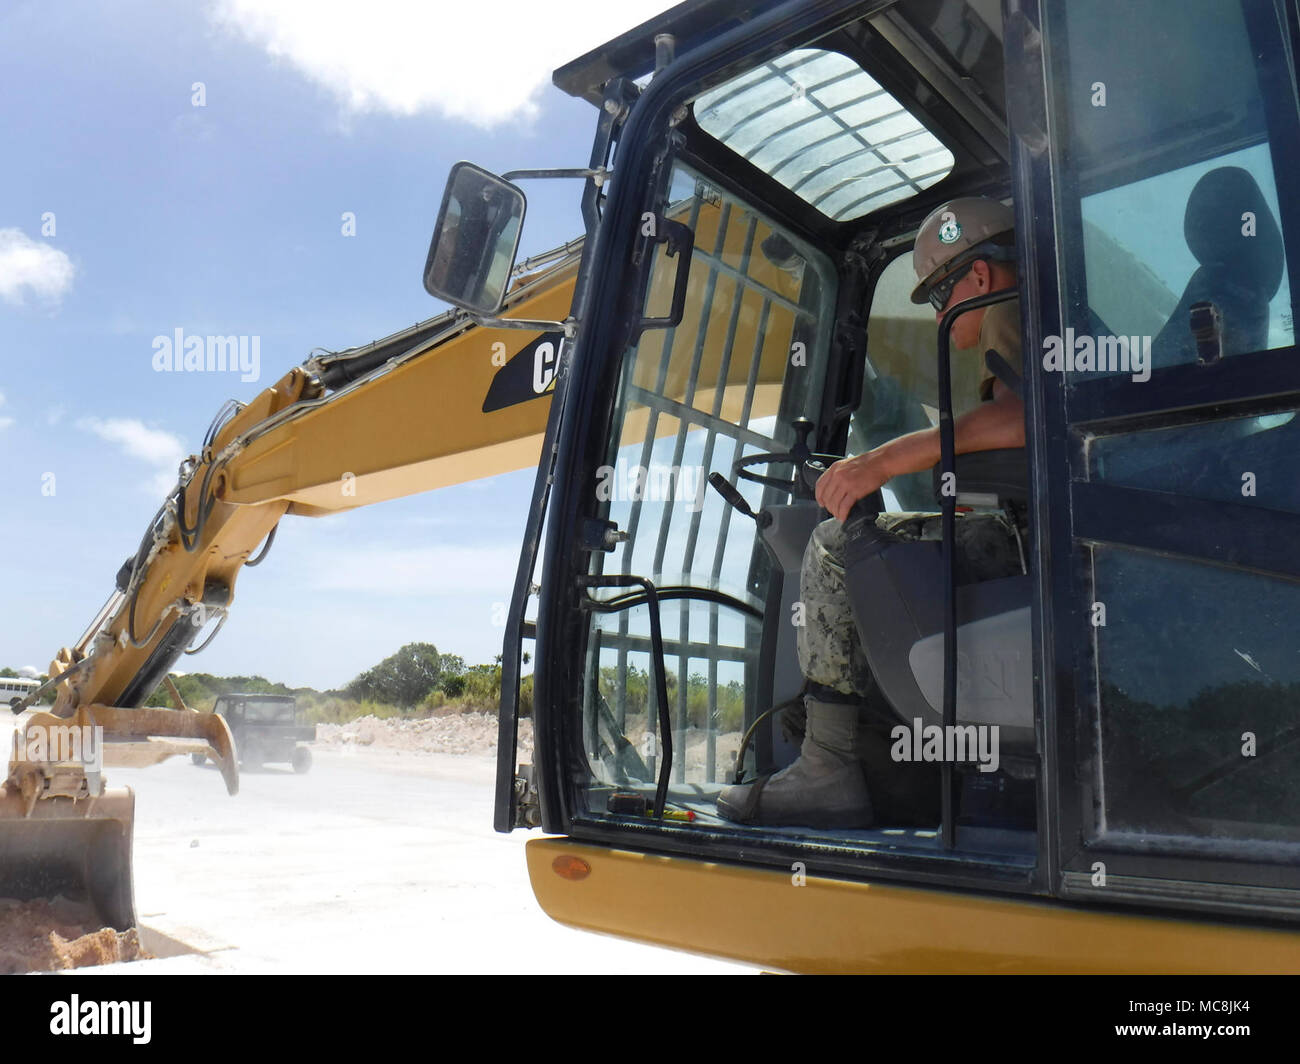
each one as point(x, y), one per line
point(830, 650)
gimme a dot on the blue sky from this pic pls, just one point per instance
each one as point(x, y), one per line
point(127, 212)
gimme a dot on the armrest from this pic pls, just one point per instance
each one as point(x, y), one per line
point(1003, 473)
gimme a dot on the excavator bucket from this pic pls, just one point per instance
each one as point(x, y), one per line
point(76, 848)
point(61, 833)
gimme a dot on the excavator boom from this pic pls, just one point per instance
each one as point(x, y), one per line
point(441, 403)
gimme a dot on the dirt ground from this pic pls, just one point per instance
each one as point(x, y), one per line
point(58, 934)
point(381, 859)
point(476, 733)
point(464, 733)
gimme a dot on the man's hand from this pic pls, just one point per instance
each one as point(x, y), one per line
point(849, 480)
point(996, 424)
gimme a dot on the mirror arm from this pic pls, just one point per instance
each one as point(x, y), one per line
point(569, 326)
point(599, 175)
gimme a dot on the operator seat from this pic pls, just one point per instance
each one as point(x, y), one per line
point(896, 589)
point(1239, 274)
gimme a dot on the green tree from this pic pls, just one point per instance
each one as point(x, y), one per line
point(452, 673)
point(200, 689)
point(402, 680)
point(452, 665)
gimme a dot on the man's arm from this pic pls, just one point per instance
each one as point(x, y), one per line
point(990, 426)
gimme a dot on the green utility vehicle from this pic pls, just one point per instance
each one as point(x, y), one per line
point(265, 728)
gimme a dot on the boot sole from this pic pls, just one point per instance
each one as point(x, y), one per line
point(846, 819)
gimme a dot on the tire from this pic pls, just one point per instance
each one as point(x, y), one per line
point(301, 760)
point(198, 759)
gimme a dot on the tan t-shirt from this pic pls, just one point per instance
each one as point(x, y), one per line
point(1000, 331)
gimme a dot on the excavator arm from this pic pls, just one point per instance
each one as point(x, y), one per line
point(441, 403)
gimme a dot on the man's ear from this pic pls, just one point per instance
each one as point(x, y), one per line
point(983, 275)
point(1004, 276)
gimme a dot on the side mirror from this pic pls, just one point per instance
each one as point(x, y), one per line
point(475, 240)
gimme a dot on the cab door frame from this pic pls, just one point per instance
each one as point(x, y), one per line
point(611, 313)
point(611, 316)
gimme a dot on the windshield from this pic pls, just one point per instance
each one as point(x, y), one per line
point(265, 710)
point(728, 381)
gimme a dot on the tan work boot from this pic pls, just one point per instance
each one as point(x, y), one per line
point(823, 788)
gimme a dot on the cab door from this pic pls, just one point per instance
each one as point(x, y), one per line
point(1168, 420)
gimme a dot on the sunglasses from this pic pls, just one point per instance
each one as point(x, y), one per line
point(941, 291)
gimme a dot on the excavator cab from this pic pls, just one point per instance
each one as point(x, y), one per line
point(742, 317)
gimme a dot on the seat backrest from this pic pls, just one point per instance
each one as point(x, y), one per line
point(1238, 273)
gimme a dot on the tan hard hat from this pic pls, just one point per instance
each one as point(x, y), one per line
point(952, 229)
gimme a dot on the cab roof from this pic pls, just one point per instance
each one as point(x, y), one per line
point(632, 54)
point(910, 51)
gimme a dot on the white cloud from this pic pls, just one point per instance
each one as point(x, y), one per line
point(484, 63)
point(155, 447)
point(28, 266)
point(5, 422)
point(55, 414)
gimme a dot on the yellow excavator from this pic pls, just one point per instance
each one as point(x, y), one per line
point(741, 298)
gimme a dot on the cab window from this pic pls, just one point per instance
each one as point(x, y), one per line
point(1173, 174)
point(1173, 178)
point(825, 129)
point(747, 359)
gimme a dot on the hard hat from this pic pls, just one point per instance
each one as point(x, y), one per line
point(972, 227)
